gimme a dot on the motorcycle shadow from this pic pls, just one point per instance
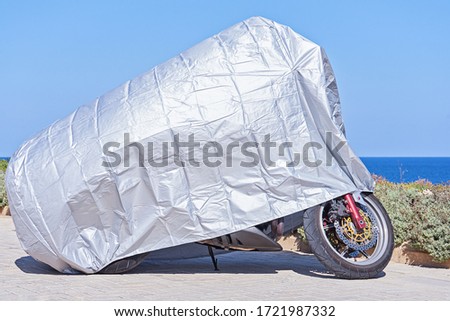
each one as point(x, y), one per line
point(228, 263)
point(30, 266)
point(239, 263)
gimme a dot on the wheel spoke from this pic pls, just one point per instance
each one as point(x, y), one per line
point(345, 251)
point(365, 254)
point(328, 226)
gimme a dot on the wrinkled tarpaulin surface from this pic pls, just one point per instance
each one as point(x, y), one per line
point(256, 78)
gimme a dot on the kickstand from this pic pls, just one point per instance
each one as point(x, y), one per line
point(214, 260)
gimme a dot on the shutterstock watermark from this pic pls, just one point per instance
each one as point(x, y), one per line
point(194, 153)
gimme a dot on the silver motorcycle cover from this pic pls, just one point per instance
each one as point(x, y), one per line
point(93, 188)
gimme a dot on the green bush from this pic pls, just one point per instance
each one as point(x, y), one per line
point(3, 197)
point(420, 214)
point(3, 165)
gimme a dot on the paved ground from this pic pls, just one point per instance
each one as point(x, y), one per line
point(242, 276)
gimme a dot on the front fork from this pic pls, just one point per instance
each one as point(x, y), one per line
point(357, 219)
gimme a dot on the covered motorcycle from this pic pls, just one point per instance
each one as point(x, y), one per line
point(242, 129)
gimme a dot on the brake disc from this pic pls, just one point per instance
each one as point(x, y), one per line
point(358, 240)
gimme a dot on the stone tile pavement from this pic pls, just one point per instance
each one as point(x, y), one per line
point(242, 276)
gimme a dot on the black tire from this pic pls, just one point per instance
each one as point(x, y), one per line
point(124, 265)
point(320, 240)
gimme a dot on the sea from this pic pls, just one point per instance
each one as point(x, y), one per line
point(409, 169)
point(406, 169)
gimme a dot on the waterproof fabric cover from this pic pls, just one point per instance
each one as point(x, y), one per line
point(256, 78)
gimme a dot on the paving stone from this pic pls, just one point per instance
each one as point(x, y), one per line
point(242, 276)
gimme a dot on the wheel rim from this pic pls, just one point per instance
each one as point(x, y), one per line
point(361, 258)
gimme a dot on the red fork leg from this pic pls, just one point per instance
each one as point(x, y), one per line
point(357, 219)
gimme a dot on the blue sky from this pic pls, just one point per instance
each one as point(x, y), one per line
point(391, 59)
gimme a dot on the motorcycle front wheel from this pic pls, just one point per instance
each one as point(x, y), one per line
point(348, 253)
